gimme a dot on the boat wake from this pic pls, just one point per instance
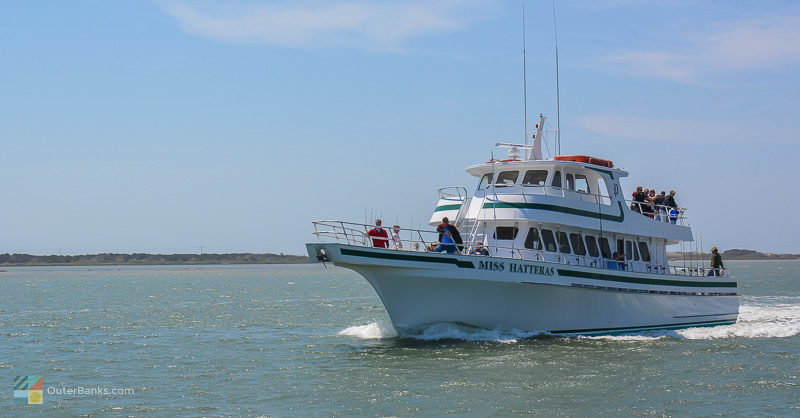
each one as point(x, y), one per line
point(755, 321)
point(436, 332)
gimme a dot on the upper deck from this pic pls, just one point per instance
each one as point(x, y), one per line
point(568, 193)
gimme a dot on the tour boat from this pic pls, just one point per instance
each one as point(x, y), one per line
point(567, 255)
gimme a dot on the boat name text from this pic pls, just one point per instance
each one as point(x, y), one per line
point(516, 268)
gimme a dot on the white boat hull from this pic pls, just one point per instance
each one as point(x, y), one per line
point(498, 293)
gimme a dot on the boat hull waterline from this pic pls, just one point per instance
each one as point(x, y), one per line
point(419, 288)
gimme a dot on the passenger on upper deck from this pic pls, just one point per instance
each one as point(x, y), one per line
point(669, 200)
point(661, 211)
point(673, 215)
point(380, 238)
point(647, 207)
point(638, 196)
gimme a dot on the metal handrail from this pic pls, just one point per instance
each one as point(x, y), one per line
point(352, 233)
point(593, 198)
point(656, 211)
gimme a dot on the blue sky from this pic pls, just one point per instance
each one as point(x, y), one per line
point(161, 126)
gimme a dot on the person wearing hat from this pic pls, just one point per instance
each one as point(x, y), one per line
point(716, 262)
point(398, 243)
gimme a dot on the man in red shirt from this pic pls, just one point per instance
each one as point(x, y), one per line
point(380, 236)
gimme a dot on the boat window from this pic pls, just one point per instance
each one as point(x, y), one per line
point(535, 177)
point(628, 250)
point(570, 181)
point(635, 252)
point(577, 244)
point(591, 245)
point(485, 181)
point(645, 251)
point(604, 248)
point(549, 240)
point(506, 232)
point(556, 179)
point(602, 190)
point(532, 241)
point(507, 178)
point(581, 184)
point(563, 242)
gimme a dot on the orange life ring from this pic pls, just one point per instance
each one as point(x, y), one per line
point(585, 159)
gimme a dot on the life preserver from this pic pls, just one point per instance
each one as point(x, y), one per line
point(585, 159)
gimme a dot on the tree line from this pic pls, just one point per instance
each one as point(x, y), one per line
point(144, 259)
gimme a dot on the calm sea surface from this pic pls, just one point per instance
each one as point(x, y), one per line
point(303, 340)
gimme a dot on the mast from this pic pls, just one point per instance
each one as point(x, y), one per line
point(558, 87)
point(524, 83)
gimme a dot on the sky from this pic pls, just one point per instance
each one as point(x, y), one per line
point(163, 126)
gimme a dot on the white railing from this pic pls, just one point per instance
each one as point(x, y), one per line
point(418, 240)
point(659, 213)
point(540, 190)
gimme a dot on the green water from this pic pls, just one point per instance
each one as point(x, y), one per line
point(303, 340)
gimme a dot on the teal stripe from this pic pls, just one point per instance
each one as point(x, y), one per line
point(447, 207)
point(409, 257)
point(557, 208)
point(627, 330)
point(638, 280)
point(602, 171)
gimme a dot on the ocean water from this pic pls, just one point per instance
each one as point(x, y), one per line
point(299, 340)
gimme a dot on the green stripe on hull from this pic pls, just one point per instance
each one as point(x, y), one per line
point(557, 208)
point(628, 330)
point(447, 207)
point(408, 257)
point(640, 280)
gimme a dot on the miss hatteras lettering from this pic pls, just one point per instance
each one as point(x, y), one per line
point(516, 268)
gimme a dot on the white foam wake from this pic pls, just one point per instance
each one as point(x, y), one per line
point(371, 331)
point(780, 320)
point(755, 321)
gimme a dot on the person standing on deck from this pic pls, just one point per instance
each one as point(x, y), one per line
point(716, 262)
point(658, 203)
point(398, 243)
point(448, 235)
point(380, 238)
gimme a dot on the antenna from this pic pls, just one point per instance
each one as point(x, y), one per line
point(524, 81)
point(558, 87)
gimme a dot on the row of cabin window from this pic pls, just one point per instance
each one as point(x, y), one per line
point(577, 182)
point(579, 244)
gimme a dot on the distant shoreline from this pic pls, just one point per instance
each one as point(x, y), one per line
point(142, 259)
point(733, 254)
